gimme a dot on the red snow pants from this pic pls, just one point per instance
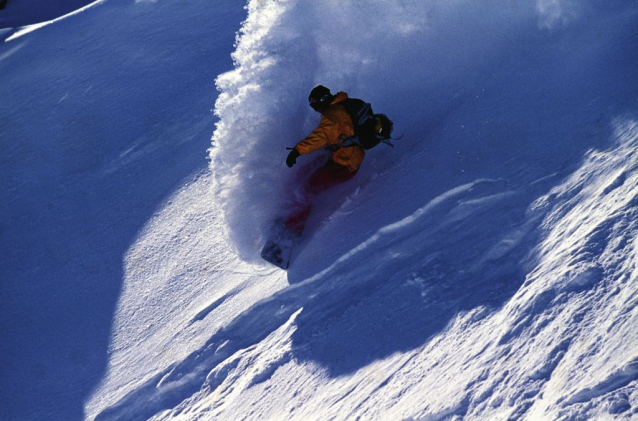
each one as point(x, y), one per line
point(319, 181)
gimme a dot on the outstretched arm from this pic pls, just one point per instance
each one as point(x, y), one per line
point(319, 137)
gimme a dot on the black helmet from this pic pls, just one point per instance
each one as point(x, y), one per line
point(319, 97)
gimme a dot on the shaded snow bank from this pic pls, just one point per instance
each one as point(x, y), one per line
point(102, 116)
point(470, 85)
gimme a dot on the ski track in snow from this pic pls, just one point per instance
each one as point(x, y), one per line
point(30, 28)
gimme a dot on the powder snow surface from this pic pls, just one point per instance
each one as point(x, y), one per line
point(485, 268)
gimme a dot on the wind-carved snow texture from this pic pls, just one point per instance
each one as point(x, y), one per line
point(587, 274)
point(484, 268)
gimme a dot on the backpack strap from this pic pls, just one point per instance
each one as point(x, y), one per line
point(351, 141)
point(363, 114)
point(355, 141)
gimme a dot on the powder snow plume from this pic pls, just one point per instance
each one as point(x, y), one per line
point(406, 58)
point(418, 62)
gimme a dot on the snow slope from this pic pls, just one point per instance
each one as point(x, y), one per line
point(484, 268)
point(103, 115)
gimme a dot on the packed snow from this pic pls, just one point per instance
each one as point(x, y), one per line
point(485, 267)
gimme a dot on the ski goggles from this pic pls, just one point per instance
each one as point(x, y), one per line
point(316, 103)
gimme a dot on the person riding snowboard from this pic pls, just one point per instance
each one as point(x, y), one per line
point(336, 126)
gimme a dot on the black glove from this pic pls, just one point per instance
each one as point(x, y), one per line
point(292, 158)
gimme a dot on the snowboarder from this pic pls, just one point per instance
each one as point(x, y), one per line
point(336, 126)
point(348, 127)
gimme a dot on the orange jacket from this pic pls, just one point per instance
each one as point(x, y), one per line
point(335, 126)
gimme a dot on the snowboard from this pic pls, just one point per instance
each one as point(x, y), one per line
point(280, 244)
